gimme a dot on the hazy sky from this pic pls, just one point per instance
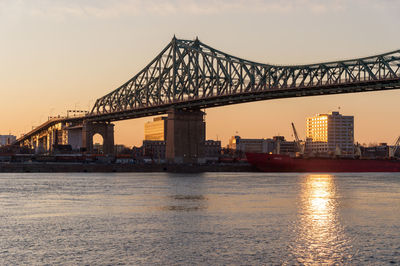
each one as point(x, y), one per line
point(64, 54)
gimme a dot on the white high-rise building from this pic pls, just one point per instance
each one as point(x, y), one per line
point(330, 133)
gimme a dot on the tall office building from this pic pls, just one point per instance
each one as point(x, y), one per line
point(326, 133)
point(156, 130)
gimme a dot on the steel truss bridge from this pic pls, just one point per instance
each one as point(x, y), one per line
point(192, 75)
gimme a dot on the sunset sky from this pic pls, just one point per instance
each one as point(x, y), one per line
point(64, 54)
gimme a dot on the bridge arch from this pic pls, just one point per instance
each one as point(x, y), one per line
point(98, 143)
point(92, 131)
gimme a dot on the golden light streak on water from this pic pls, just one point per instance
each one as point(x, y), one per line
point(320, 236)
point(320, 196)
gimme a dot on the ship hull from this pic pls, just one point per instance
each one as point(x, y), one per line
point(282, 163)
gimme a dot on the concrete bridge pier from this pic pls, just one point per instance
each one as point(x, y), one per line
point(106, 130)
point(34, 143)
point(186, 132)
point(42, 145)
point(52, 139)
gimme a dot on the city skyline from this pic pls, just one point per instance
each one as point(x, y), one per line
point(64, 55)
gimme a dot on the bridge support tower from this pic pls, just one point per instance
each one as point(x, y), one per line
point(186, 132)
point(106, 130)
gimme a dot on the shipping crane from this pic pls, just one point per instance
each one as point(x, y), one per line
point(394, 148)
point(297, 140)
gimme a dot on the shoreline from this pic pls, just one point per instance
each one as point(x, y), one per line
point(121, 168)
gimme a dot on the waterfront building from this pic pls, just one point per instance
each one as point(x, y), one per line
point(238, 144)
point(330, 133)
point(156, 130)
point(120, 149)
point(276, 145)
point(212, 150)
point(154, 149)
point(282, 146)
point(7, 139)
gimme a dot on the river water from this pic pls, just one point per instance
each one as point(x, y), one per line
point(210, 218)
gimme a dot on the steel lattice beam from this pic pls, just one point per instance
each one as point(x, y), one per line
point(189, 74)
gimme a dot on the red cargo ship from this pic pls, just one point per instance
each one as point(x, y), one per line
point(283, 163)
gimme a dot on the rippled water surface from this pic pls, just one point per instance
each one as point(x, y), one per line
point(212, 218)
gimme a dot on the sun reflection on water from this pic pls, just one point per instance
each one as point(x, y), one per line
point(320, 238)
point(321, 204)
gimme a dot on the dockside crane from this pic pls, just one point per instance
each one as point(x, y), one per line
point(298, 144)
point(394, 148)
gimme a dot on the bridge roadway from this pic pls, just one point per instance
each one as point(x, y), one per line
point(49, 123)
point(251, 96)
point(189, 75)
point(45, 130)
